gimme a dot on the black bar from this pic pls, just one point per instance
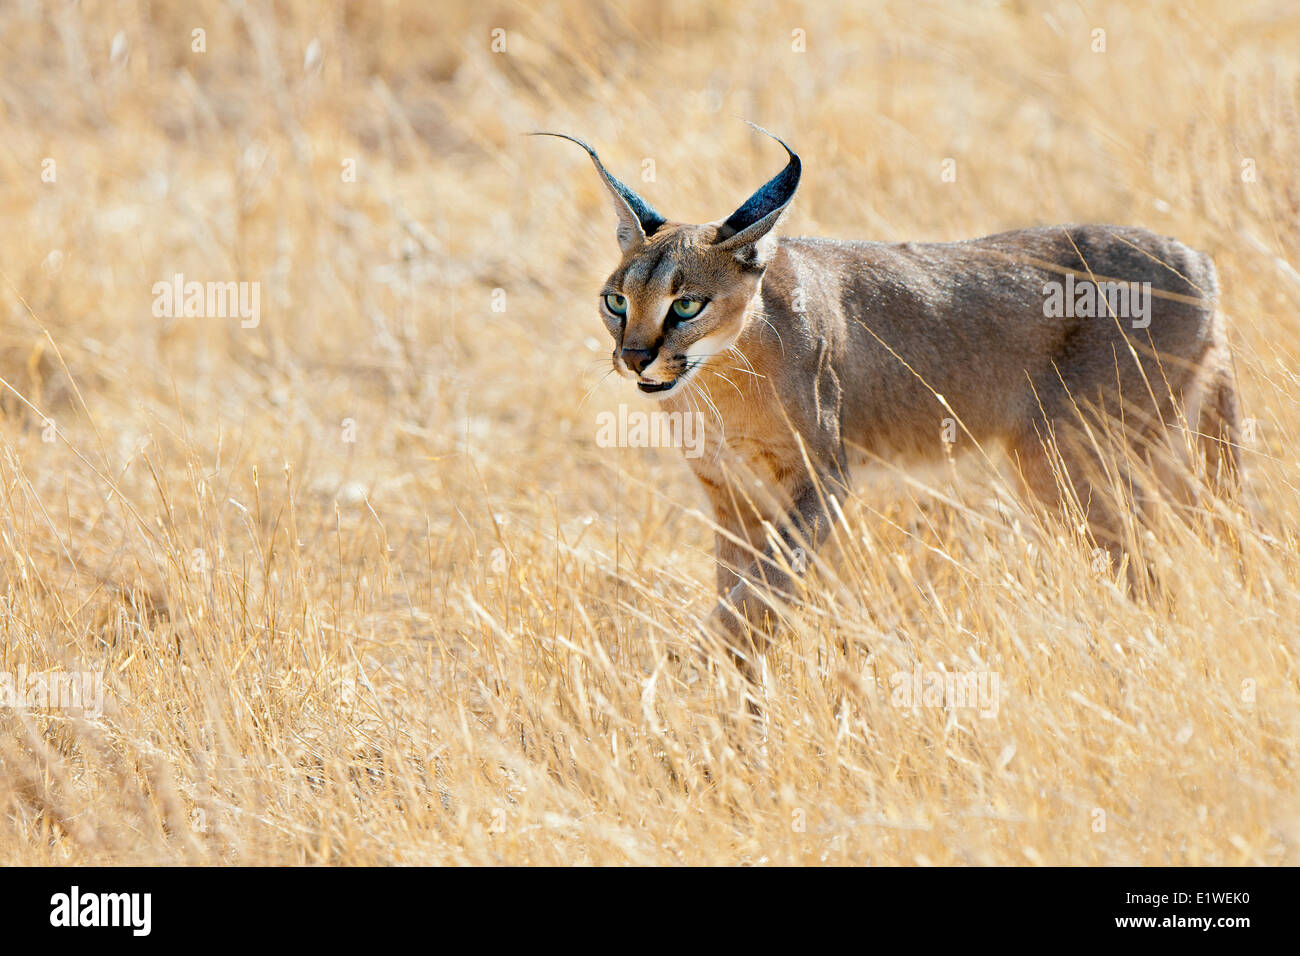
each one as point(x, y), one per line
point(304, 905)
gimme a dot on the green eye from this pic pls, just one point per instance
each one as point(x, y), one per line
point(616, 303)
point(688, 308)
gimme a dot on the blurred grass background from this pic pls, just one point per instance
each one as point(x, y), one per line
point(364, 588)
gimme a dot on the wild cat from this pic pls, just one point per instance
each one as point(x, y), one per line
point(813, 353)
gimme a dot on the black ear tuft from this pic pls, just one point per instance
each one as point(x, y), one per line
point(637, 218)
point(767, 203)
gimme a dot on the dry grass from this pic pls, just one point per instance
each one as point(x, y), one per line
point(447, 641)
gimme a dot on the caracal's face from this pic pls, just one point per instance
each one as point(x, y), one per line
point(674, 303)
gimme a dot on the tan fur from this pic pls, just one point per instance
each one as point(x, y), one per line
point(847, 350)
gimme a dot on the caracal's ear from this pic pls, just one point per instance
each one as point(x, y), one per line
point(637, 219)
point(746, 231)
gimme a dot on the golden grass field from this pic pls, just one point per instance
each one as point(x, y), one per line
point(363, 587)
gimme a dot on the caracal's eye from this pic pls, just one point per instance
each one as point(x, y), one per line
point(616, 303)
point(688, 308)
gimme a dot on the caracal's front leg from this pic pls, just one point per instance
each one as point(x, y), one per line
point(746, 614)
point(738, 541)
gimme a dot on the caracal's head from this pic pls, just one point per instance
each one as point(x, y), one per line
point(682, 293)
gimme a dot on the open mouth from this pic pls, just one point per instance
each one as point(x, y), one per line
point(656, 386)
